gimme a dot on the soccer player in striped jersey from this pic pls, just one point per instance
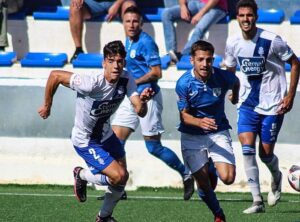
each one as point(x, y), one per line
point(98, 97)
point(264, 99)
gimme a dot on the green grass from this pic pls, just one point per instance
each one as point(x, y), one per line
point(57, 204)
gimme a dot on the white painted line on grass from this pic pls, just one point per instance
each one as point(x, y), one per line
point(129, 197)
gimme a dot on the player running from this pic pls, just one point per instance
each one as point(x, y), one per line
point(98, 97)
point(261, 56)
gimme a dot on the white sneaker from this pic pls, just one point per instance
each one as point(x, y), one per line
point(275, 193)
point(257, 207)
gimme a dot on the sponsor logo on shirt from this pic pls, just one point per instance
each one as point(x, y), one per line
point(104, 108)
point(252, 66)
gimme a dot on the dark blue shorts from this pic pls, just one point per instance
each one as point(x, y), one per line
point(266, 126)
point(99, 155)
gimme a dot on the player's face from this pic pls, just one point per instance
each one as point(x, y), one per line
point(132, 25)
point(202, 62)
point(113, 68)
point(247, 20)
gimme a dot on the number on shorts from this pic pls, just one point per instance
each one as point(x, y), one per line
point(93, 152)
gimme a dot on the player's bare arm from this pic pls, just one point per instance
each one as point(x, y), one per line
point(139, 102)
point(56, 77)
point(287, 102)
point(154, 75)
point(234, 96)
point(205, 123)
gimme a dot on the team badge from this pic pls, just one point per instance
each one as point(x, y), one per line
point(77, 80)
point(132, 53)
point(217, 92)
point(261, 51)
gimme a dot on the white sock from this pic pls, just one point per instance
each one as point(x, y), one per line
point(252, 174)
point(111, 198)
point(98, 179)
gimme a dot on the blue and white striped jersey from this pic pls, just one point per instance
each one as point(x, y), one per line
point(262, 69)
point(96, 101)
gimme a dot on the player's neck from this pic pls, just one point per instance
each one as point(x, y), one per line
point(250, 35)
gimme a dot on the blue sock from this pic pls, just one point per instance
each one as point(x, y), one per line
point(166, 155)
point(210, 199)
point(123, 142)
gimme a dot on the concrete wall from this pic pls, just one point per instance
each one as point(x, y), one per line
point(19, 118)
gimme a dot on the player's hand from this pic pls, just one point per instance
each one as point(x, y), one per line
point(185, 13)
point(112, 12)
point(233, 98)
point(146, 95)
point(196, 18)
point(44, 111)
point(77, 3)
point(285, 105)
point(208, 124)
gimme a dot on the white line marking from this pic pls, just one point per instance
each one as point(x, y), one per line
point(129, 197)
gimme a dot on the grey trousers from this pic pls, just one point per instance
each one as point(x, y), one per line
point(3, 23)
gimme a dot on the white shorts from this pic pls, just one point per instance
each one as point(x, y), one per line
point(151, 124)
point(196, 149)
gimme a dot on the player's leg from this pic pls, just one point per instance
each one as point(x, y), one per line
point(221, 153)
point(248, 126)
point(271, 126)
point(104, 169)
point(152, 127)
point(196, 157)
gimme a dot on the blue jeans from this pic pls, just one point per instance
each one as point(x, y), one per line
point(170, 15)
point(98, 8)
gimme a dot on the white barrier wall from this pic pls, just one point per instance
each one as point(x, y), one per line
point(51, 161)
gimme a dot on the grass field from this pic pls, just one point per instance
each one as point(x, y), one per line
point(57, 204)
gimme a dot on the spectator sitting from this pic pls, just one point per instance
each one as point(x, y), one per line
point(201, 13)
point(81, 10)
point(7, 6)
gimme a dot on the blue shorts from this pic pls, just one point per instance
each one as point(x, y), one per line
point(266, 126)
point(98, 8)
point(99, 155)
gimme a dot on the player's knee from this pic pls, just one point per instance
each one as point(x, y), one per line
point(228, 176)
point(266, 158)
point(154, 147)
point(229, 179)
point(120, 177)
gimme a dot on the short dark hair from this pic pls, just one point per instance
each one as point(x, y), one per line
point(133, 9)
point(203, 46)
point(247, 4)
point(114, 48)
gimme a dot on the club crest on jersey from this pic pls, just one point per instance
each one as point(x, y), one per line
point(217, 92)
point(252, 66)
point(77, 80)
point(132, 53)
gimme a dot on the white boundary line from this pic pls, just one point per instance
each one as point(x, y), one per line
point(129, 197)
